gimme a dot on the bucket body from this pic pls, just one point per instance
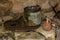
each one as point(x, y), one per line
point(32, 15)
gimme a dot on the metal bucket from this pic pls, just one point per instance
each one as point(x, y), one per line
point(32, 15)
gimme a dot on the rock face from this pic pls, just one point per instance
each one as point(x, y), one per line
point(5, 5)
point(18, 5)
